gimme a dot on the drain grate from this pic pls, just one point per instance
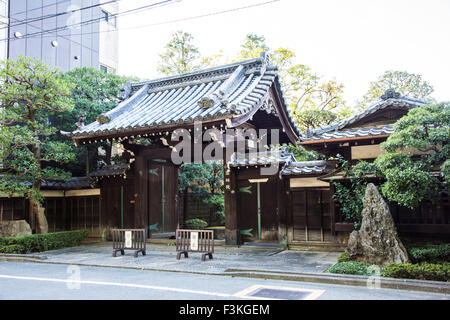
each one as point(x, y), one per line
point(279, 293)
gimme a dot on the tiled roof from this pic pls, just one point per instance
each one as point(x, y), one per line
point(351, 133)
point(111, 170)
point(283, 157)
point(261, 158)
point(74, 183)
point(306, 167)
point(211, 94)
point(335, 131)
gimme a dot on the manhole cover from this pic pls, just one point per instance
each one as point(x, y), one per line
point(279, 293)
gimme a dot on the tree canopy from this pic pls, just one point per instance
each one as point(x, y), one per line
point(31, 94)
point(409, 176)
point(407, 84)
point(180, 55)
point(94, 92)
point(313, 101)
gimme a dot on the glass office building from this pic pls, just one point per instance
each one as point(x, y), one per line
point(65, 34)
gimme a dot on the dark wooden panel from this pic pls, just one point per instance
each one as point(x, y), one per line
point(269, 218)
point(311, 215)
point(155, 195)
point(247, 209)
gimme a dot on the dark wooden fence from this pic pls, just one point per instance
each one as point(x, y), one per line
point(427, 220)
point(63, 213)
point(205, 243)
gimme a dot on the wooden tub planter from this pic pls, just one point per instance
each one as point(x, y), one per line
point(199, 241)
point(129, 239)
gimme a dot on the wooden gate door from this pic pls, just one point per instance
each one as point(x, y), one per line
point(311, 215)
point(257, 210)
point(162, 191)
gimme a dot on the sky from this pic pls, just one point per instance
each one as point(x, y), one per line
point(351, 41)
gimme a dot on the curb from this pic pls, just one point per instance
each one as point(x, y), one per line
point(352, 280)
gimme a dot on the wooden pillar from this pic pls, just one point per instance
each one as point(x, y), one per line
point(332, 210)
point(282, 197)
point(141, 193)
point(289, 214)
point(231, 216)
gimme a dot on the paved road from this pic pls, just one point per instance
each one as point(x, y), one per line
point(19, 280)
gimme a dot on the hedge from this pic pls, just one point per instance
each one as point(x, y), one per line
point(421, 271)
point(431, 253)
point(43, 242)
point(196, 224)
point(12, 248)
point(351, 267)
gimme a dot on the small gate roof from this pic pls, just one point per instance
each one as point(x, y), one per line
point(218, 93)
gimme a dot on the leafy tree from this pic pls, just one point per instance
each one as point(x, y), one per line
point(94, 92)
point(407, 84)
point(180, 55)
point(409, 177)
point(252, 47)
point(30, 93)
point(349, 195)
point(206, 180)
point(313, 102)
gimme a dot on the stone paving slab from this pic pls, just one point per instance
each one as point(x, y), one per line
point(163, 257)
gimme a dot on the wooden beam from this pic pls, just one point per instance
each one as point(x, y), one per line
point(307, 182)
point(83, 192)
point(344, 139)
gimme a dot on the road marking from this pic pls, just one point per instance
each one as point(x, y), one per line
point(131, 285)
point(246, 293)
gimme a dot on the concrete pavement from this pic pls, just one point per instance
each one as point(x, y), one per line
point(250, 262)
point(63, 282)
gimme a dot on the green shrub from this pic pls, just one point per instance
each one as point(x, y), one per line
point(196, 224)
point(44, 242)
point(431, 253)
point(12, 248)
point(351, 267)
point(421, 271)
point(343, 257)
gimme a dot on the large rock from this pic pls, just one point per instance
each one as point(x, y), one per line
point(377, 240)
point(14, 228)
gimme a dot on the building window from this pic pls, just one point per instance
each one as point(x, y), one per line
point(109, 18)
point(104, 68)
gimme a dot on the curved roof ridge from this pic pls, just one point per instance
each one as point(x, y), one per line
point(207, 73)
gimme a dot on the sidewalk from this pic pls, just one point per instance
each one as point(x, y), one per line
point(254, 262)
point(163, 257)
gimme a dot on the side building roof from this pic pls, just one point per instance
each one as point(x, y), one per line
point(345, 129)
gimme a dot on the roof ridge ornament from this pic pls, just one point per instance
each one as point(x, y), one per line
point(390, 94)
point(225, 89)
